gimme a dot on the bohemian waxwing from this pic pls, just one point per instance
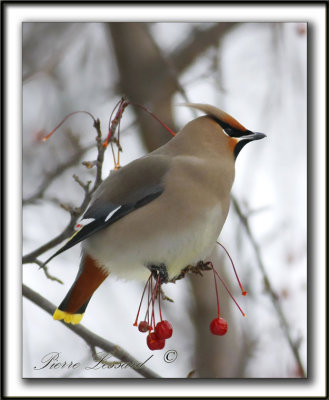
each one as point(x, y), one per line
point(160, 213)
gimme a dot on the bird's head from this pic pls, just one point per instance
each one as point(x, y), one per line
point(238, 135)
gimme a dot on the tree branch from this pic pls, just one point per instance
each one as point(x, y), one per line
point(67, 232)
point(89, 337)
point(100, 157)
point(45, 270)
point(198, 42)
point(51, 176)
point(76, 212)
point(268, 286)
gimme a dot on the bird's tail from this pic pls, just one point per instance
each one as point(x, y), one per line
point(70, 318)
point(89, 277)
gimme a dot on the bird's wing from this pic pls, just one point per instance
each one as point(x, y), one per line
point(124, 191)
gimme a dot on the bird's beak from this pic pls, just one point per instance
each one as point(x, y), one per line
point(247, 138)
point(253, 136)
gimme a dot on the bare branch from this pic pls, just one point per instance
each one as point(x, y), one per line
point(48, 67)
point(67, 232)
point(76, 213)
point(45, 270)
point(85, 186)
point(51, 176)
point(198, 42)
point(89, 164)
point(89, 337)
point(100, 158)
point(268, 286)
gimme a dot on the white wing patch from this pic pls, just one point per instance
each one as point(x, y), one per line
point(111, 213)
point(83, 222)
point(86, 221)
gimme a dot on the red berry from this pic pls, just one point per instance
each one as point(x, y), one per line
point(143, 326)
point(218, 326)
point(154, 343)
point(163, 330)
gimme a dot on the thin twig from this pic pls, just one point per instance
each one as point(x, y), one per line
point(45, 270)
point(67, 232)
point(268, 286)
point(76, 213)
point(91, 338)
point(164, 296)
point(85, 186)
point(100, 158)
point(51, 176)
point(115, 124)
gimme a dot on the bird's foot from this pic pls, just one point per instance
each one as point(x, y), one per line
point(195, 269)
point(159, 271)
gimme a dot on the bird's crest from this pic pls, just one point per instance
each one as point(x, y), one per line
point(217, 114)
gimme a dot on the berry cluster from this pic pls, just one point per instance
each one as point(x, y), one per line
point(158, 333)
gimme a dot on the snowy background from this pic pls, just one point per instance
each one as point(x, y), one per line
point(257, 73)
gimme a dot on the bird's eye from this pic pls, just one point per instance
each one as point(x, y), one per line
point(228, 131)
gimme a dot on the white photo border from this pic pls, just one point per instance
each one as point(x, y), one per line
point(314, 13)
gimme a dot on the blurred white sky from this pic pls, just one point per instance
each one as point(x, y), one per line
point(262, 83)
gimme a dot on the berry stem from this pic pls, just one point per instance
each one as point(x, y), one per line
point(153, 301)
point(64, 119)
point(113, 124)
point(228, 291)
point(154, 295)
point(140, 304)
point(218, 308)
point(109, 135)
point(119, 126)
point(159, 302)
point(154, 116)
point(149, 298)
point(236, 274)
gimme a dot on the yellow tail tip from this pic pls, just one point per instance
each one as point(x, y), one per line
point(67, 317)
